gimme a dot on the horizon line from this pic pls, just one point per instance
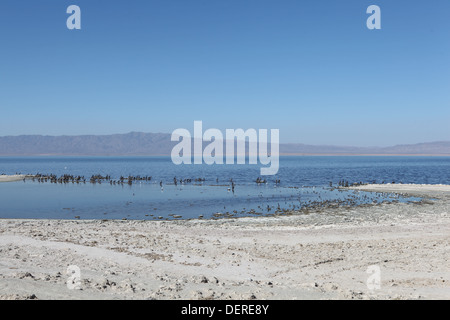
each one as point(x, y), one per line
point(281, 143)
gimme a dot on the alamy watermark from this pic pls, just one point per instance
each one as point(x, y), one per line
point(374, 280)
point(74, 20)
point(213, 153)
point(374, 21)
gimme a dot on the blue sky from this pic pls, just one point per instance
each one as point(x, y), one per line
point(309, 68)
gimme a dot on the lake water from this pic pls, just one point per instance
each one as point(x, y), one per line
point(304, 181)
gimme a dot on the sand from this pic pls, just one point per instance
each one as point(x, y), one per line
point(320, 255)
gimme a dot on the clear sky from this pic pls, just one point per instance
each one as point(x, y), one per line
point(309, 68)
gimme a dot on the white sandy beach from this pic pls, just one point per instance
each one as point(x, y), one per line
point(288, 257)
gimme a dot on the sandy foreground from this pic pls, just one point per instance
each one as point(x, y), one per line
point(320, 255)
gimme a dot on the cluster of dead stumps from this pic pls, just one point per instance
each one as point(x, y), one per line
point(98, 178)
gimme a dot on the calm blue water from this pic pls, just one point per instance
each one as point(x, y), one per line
point(304, 180)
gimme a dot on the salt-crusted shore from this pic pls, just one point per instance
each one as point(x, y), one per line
point(11, 178)
point(320, 255)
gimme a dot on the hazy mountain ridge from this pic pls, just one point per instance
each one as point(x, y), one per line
point(133, 143)
point(138, 143)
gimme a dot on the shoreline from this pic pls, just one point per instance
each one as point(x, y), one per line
point(405, 189)
point(12, 178)
point(237, 258)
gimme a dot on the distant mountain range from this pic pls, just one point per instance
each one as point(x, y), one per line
point(428, 148)
point(138, 143)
